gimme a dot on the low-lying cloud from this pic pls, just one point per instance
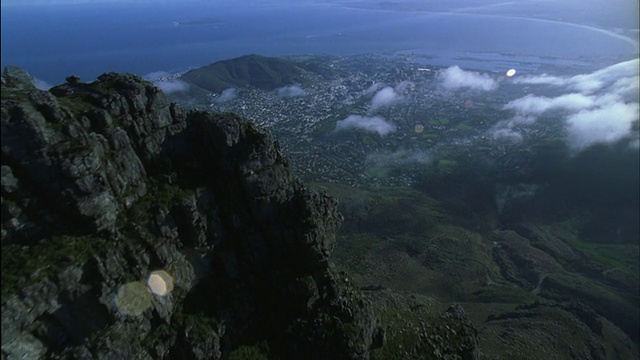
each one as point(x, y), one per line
point(291, 91)
point(42, 85)
point(621, 77)
point(371, 89)
point(157, 76)
point(227, 95)
point(454, 78)
point(532, 104)
point(167, 82)
point(600, 107)
point(375, 124)
point(384, 97)
point(171, 86)
point(389, 95)
point(606, 124)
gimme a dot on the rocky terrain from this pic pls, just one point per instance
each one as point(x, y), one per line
point(105, 183)
point(543, 258)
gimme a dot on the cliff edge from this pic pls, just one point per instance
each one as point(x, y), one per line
point(131, 230)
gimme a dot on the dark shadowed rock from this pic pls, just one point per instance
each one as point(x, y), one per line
point(104, 183)
point(131, 230)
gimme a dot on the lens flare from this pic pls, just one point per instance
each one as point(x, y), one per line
point(160, 282)
point(133, 298)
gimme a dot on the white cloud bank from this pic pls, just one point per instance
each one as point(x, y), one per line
point(532, 104)
point(606, 124)
point(599, 107)
point(384, 97)
point(454, 78)
point(42, 85)
point(170, 86)
point(166, 82)
point(371, 89)
point(157, 76)
point(227, 94)
point(622, 76)
point(375, 124)
point(389, 95)
point(291, 91)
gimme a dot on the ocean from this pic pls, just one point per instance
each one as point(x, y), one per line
point(55, 41)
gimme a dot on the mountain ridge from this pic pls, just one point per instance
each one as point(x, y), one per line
point(266, 73)
point(110, 192)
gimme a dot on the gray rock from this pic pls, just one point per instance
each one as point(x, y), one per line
point(135, 185)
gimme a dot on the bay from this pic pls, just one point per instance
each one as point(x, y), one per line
point(87, 40)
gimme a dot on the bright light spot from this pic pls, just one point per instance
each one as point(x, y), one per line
point(419, 128)
point(133, 298)
point(511, 72)
point(160, 282)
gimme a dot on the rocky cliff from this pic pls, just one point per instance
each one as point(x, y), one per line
point(131, 230)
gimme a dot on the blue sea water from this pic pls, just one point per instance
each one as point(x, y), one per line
point(53, 42)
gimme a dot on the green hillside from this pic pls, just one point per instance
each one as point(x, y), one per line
point(262, 72)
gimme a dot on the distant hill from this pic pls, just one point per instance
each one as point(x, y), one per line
point(262, 72)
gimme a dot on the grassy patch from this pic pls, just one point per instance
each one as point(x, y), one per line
point(22, 266)
point(158, 195)
point(76, 104)
point(611, 255)
point(440, 121)
point(249, 353)
point(446, 166)
point(624, 258)
point(502, 295)
point(463, 127)
point(414, 330)
point(377, 171)
point(351, 250)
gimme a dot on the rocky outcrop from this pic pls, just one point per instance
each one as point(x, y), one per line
point(104, 183)
point(131, 230)
point(548, 330)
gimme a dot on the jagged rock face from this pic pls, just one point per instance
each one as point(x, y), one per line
point(103, 183)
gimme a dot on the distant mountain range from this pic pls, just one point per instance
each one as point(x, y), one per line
point(266, 73)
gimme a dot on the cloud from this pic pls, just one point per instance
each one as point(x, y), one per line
point(167, 82)
point(454, 78)
point(228, 94)
point(605, 77)
point(157, 76)
point(626, 71)
point(532, 104)
point(388, 95)
point(605, 124)
point(374, 124)
point(42, 85)
point(400, 158)
point(384, 97)
point(371, 89)
point(600, 107)
point(508, 129)
point(291, 91)
point(170, 86)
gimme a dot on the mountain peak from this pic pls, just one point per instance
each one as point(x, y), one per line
point(106, 187)
point(266, 73)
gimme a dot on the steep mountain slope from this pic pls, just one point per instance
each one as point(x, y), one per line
point(131, 230)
